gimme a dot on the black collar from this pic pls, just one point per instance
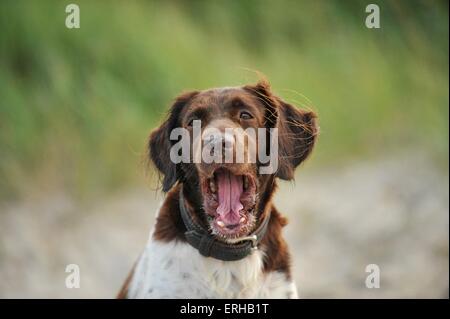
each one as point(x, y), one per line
point(209, 246)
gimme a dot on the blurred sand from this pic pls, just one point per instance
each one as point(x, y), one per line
point(391, 212)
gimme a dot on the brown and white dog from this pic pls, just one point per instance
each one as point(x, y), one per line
point(217, 233)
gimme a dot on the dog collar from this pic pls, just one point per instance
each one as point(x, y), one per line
point(209, 246)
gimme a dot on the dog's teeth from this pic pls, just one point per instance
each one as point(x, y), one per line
point(221, 223)
point(245, 182)
point(212, 185)
point(242, 220)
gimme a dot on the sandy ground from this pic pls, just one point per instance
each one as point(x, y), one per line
point(391, 212)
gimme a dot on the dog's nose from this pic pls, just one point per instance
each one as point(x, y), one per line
point(222, 138)
point(227, 141)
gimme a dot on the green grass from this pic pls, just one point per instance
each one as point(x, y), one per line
point(77, 105)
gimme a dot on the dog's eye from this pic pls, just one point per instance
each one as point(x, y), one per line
point(191, 122)
point(245, 115)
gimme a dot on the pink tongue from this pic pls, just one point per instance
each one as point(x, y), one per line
point(230, 190)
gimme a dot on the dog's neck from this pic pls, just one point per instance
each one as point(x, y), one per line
point(170, 227)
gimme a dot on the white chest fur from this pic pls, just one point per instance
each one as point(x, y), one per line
point(177, 270)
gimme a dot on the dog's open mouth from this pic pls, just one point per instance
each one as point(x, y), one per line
point(229, 201)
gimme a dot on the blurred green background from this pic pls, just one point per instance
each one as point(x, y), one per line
point(76, 105)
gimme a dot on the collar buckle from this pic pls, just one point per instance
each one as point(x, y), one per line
point(253, 238)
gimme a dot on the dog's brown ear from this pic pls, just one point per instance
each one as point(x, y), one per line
point(297, 134)
point(262, 91)
point(297, 129)
point(159, 142)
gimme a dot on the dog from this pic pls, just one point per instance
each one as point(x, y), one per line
point(218, 233)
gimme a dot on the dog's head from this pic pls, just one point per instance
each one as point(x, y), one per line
point(233, 143)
